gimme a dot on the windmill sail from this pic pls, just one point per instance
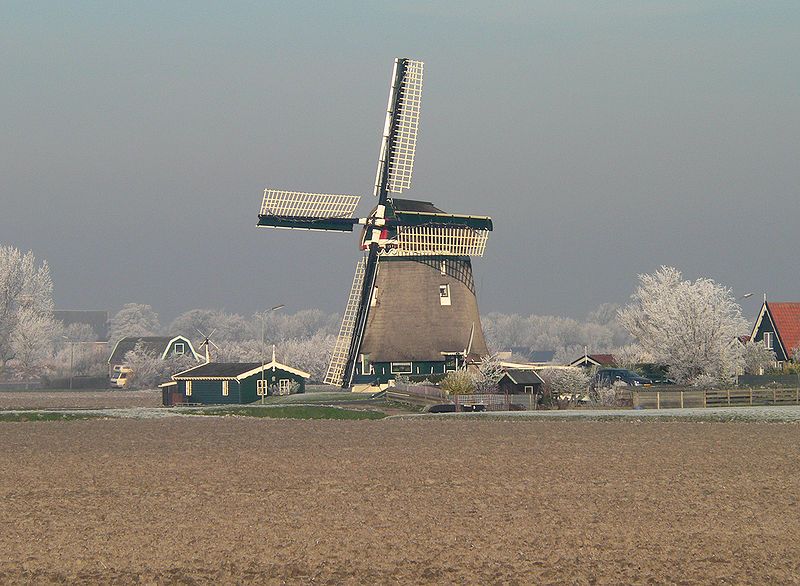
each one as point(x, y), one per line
point(396, 161)
point(341, 351)
point(440, 240)
point(309, 211)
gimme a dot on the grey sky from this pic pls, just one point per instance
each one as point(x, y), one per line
point(605, 139)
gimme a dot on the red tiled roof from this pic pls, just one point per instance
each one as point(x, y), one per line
point(786, 317)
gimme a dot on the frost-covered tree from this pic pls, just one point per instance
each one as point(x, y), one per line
point(134, 319)
point(488, 373)
point(566, 385)
point(148, 370)
point(226, 326)
point(690, 326)
point(26, 307)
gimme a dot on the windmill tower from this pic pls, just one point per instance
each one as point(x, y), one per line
point(412, 308)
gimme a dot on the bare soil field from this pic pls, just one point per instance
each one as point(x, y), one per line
point(245, 500)
point(79, 399)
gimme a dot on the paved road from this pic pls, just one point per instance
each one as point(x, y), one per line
point(781, 413)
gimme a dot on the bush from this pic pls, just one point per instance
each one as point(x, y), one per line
point(458, 382)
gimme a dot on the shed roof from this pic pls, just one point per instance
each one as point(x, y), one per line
point(234, 370)
point(596, 359)
point(523, 377)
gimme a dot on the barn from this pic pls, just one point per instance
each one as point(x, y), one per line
point(219, 383)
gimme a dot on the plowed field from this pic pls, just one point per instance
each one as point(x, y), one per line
point(230, 500)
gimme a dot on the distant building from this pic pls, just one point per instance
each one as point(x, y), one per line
point(778, 328)
point(529, 356)
point(97, 320)
point(219, 383)
point(161, 346)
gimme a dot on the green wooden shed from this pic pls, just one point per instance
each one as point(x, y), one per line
point(219, 383)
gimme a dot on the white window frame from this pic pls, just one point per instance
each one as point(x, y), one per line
point(443, 268)
point(444, 294)
point(225, 388)
point(401, 365)
point(529, 389)
point(188, 388)
point(180, 348)
point(283, 386)
point(261, 387)
point(769, 341)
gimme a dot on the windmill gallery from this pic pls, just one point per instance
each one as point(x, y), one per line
point(412, 308)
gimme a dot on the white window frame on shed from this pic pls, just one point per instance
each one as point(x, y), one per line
point(283, 386)
point(225, 388)
point(400, 368)
point(261, 387)
point(188, 388)
point(444, 294)
point(180, 348)
point(529, 389)
point(769, 341)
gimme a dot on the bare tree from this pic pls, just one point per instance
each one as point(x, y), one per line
point(690, 326)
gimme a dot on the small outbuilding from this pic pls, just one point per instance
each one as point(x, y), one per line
point(162, 347)
point(520, 382)
point(220, 383)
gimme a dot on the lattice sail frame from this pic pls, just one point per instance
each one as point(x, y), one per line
point(404, 139)
point(440, 240)
point(296, 204)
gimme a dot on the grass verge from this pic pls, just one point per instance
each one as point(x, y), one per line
point(38, 416)
point(292, 412)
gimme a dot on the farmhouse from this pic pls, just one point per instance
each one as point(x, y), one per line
point(778, 328)
point(217, 383)
point(161, 346)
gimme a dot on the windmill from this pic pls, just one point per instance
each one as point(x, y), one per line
point(207, 342)
point(412, 307)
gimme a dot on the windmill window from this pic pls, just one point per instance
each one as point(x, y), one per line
point(180, 348)
point(374, 300)
point(443, 268)
point(768, 340)
point(401, 368)
point(444, 294)
point(188, 388)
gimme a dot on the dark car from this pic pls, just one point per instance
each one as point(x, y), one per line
point(608, 377)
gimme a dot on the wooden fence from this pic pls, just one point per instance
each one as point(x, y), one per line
point(673, 399)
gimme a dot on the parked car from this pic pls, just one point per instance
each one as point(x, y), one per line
point(608, 377)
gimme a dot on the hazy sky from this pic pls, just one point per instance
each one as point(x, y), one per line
point(604, 139)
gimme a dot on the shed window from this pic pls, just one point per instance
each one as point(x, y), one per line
point(768, 340)
point(444, 294)
point(188, 388)
point(261, 387)
point(283, 386)
point(224, 388)
point(528, 389)
point(180, 348)
point(401, 368)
